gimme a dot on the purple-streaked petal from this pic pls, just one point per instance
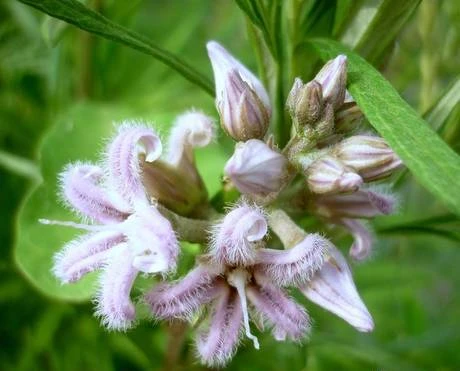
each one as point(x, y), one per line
point(333, 288)
point(124, 156)
point(362, 245)
point(84, 255)
point(114, 305)
point(328, 175)
point(295, 266)
point(370, 156)
point(217, 344)
point(234, 239)
point(360, 204)
point(183, 298)
point(288, 319)
point(80, 187)
point(333, 79)
point(257, 169)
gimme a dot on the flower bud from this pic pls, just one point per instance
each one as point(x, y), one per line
point(305, 103)
point(332, 288)
point(333, 79)
point(348, 117)
point(256, 169)
point(241, 99)
point(361, 204)
point(328, 175)
point(370, 156)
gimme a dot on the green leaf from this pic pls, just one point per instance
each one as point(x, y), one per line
point(342, 14)
point(79, 136)
point(76, 13)
point(438, 114)
point(434, 164)
point(19, 165)
point(376, 25)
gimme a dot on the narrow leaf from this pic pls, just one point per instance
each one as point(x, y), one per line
point(74, 12)
point(432, 162)
point(378, 27)
point(438, 114)
point(20, 166)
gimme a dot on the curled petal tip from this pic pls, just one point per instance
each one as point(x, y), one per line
point(234, 238)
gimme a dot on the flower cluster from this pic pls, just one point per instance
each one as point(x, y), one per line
point(137, 204)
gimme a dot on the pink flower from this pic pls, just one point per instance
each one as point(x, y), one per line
point(237, 270)
point(128, 234)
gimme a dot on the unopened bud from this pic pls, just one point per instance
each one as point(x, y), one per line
point(370, 156)
point(305, 102)
point(256, 169)
point(328, 175)
point(241, 99)
point(347, 118)
point(333, 79)
point(332, 288)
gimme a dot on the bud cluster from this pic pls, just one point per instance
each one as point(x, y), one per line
point(138, 204)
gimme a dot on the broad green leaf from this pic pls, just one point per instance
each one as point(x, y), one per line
point(80, 135)
point(376, 25)
point(79, 15)
point(434, 164)
point(438, 114)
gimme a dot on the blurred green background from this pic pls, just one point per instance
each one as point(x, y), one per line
point(60, 91)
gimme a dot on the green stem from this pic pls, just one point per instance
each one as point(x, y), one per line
point(190, 230)
point(285, 228)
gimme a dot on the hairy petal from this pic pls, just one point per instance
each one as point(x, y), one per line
point(192, 129)
point(234, 239)
point(84, 255)
point(183, 298)
point(80, 187)
point(123, 157)
point(114, 305)
point(217, 344)
point(289, 320)
point(295, 266)
point(333, 288)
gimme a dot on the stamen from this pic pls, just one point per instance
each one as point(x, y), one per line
point(86, 227)
point(237, 279)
